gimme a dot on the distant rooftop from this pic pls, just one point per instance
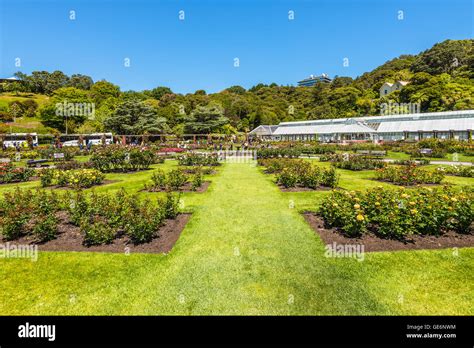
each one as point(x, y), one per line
point(312, 80)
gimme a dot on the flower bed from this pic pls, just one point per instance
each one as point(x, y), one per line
point(291, 173)
point(278, 152)
point(398, 213)
point(408, 175)
point(10, 174)
point(356, 162)
point(101, 218)
point(464, 171)
point(78, 178)
point(195, 159)
point(116, 158)
point(174, 180)
point(276, 165)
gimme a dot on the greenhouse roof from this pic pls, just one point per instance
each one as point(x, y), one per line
point(458, 124)
point(324, 129)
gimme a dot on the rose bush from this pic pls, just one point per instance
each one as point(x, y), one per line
point(76, 178)
point(101, 217)
point(9, 173)
point(119, 158)
point(398, 213)
point(409, 175)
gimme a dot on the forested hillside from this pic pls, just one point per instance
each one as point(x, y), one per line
point(440, 79)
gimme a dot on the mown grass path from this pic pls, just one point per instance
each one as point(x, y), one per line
point(245, 251)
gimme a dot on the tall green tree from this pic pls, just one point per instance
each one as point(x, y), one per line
point(206, 119)
point(135, 117)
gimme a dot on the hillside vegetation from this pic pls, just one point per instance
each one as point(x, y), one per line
point(440, 79)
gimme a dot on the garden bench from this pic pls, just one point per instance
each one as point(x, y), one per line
point(378, 153)
point(36, 163)
point(363, 152)
point(426, 151)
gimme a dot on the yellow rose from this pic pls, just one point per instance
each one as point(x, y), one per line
point(356, 206)
point(360, 217)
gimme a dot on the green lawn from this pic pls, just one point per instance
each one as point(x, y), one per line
point(244, 251)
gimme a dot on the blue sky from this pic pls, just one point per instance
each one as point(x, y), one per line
point(199, 52)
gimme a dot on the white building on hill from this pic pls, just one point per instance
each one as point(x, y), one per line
point(388, 87)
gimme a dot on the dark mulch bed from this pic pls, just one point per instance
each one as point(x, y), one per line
point(186, 188)
point(105, 182)
point(302, 189)
point(191, 171)
point(373, 243)
point(70, 239)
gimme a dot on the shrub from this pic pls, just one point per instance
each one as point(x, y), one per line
point(176, 179)
point(288, 177)
point(170, 206)
point(45, 228)
point(159, 179)
point(144, 222)
point(196, 180)
point(97, 232)
point(355, 162)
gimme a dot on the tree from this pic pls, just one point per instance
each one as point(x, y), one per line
point(135, 117)
point(80, 81)
point(15, 109)
point(206, 119)
point(102, 90)
point(159, 92)
point(67, 104)
point(443, 57)
point(236, 90)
